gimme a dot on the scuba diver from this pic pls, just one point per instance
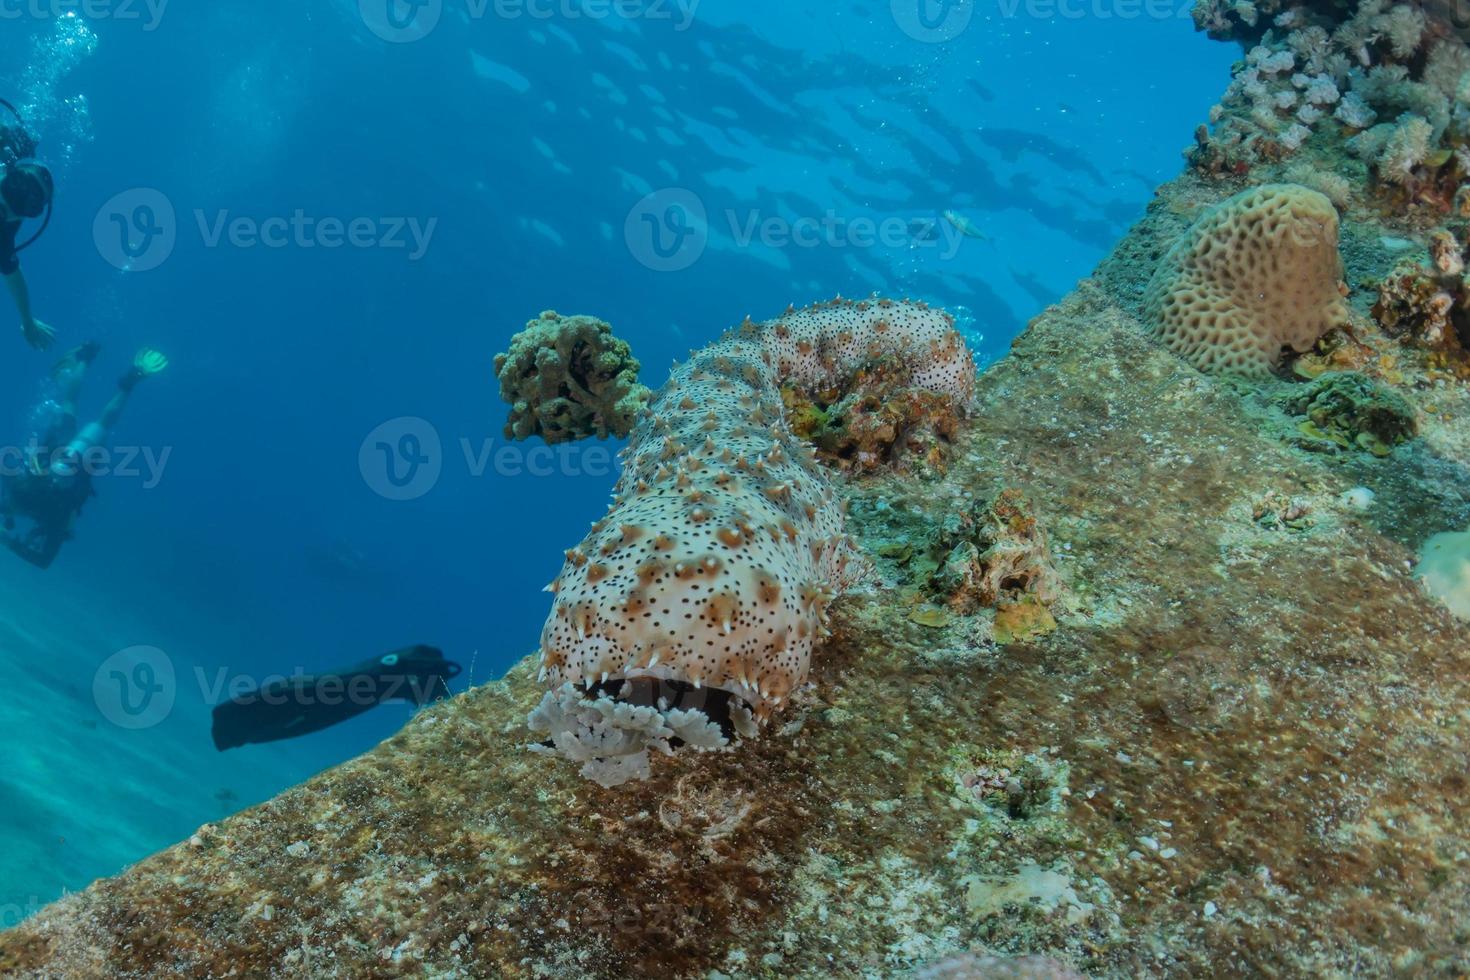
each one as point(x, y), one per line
point(289, 707)
point(27, 191)
point(40, 503)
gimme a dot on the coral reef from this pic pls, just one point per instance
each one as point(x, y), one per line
point(708, 582)
point(569, 378)
point(1238, 749)
point(1349, 410)
point(1256, 274)
point(1388, 79)
point(1430, 304)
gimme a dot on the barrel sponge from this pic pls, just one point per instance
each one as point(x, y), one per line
point(711, 574)
point(1257, 273)
point(569, 378)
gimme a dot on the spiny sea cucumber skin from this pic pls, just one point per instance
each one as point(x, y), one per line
point(819, 346)
point(724, 544)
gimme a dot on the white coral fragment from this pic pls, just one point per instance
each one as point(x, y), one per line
point(612, 738)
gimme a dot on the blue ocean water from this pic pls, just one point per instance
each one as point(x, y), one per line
point(332, 215)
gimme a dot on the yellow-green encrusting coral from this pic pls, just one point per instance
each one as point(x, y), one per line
point(1351, 410)
point(569, 378)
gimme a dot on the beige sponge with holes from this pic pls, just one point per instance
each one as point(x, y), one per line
point(1257, 274)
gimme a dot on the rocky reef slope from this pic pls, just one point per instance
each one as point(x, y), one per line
point(1232, 740)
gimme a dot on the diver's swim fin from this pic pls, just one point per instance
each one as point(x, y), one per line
point(146, 364)
point(301, 705)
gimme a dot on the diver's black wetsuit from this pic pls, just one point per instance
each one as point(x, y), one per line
point(51, 503)
point(9, 259)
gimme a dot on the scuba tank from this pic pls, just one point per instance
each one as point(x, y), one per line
point(18, 151)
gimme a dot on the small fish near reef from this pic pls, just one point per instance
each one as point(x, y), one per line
point(965, 226)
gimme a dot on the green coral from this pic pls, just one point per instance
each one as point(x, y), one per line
point(568, 378)
point(1352, 411)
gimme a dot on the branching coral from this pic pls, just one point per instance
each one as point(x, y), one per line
point(707, 584)
point(569, 378)
point(1256, 274)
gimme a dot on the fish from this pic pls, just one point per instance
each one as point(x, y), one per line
point(981, 90)
point(300, 705)
point(964, 225)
